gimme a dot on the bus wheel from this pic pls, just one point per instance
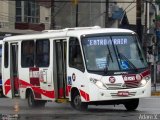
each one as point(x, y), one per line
point(77, 103)
point(31, 100)
point(1, 92)
point(35, 103)
point(131, 104)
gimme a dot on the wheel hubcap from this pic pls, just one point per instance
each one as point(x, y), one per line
point(30, 100)
point(77, 100)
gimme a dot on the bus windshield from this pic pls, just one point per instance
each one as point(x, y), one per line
point(114, 52)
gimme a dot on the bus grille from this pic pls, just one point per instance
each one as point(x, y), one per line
point(122, 86)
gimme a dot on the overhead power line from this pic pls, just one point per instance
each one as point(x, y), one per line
point(80, 1)
point(87, 1)
point(129, 5)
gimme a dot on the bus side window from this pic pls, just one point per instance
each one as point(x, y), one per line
point(27, 57)
point(75, 55)
point(42, 53)
point(6, 54)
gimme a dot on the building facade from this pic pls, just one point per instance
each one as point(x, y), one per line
point(19, 17)
point(36, 14)
point(7, 15)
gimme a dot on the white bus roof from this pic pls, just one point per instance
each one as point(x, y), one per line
point(74, 32)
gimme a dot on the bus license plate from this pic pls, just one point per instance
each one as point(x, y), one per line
point(123, 93)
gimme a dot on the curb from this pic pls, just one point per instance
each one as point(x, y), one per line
point(156, 93)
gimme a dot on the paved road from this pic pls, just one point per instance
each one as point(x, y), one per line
point(149, 109)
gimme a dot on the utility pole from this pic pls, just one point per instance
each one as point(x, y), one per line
point(146, 16)
point(75, 3)
point(145, 34)
point(155, 50)
point(106, 15)
point(77, 15)
point(138, 20)
point(52, 25)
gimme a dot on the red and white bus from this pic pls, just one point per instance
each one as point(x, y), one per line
point(84, 65)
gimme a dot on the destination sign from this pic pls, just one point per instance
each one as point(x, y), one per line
point(106, 41)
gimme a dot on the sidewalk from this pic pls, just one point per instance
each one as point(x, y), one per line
point(155, 90)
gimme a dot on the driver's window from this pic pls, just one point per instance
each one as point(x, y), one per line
point(75, 55)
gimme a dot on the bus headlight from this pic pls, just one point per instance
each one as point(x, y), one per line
point(98, 83)
point(144, 81)
point(147, 78)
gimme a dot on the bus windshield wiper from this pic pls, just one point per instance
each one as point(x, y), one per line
point(108, 57)
point(109, 53)
point(114, 48)
point(123, 57)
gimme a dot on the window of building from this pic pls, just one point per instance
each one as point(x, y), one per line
point(27, 11)
point(42, 53)
point(18, 3)
point(27, 57)
point(18, 19)
point(31, 14)
point(75, 55)
point(18, 11)
point(6, 54)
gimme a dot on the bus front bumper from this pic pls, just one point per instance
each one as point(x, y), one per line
point(120, 94)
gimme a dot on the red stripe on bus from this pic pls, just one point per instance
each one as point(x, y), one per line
point(36, 82)
point(7, 86)
point(68, 90)
point(145, 73)
point(84, 95)
point(60, 92)
point(49, 94)
point(24, 84)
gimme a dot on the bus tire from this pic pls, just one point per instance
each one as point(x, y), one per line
point(77, 103)
point(31, 100)
point(132, 104)
point(35, 103)
point(1, 92)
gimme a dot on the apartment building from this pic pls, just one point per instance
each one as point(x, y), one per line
point(32, 14)
point(19, 17)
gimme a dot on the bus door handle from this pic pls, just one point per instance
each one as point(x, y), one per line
point(82, 85)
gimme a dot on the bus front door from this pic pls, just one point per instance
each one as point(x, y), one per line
point(14, 69)
point(60, 67)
